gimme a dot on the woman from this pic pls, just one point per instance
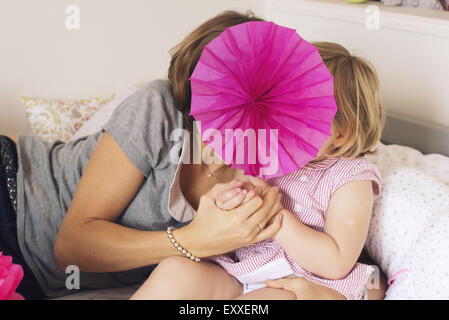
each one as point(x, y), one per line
point(103, 202)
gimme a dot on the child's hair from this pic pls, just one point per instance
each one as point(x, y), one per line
point(356, 89)
point(185, 56)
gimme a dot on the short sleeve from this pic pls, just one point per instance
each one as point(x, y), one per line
point(360, 170)
point(142, 123)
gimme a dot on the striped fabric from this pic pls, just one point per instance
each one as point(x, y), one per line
point(306, 194)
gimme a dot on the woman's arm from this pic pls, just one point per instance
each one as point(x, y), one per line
point(331, 254)
point(90, 238)
point(304, 289)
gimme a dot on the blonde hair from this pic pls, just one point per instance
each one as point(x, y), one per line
point(360, 114)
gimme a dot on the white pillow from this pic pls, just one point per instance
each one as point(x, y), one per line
point(101, 117)
point(408, 220)
point(408, 231)
point(435, 165)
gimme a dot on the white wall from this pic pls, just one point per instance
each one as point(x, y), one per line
point(127, 41)
point(410, 50)
point(120, 41)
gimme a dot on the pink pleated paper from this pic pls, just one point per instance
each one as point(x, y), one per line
point(259, 75)
point(10, 277)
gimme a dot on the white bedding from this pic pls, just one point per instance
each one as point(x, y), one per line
point(408, 234)
point(435, 165)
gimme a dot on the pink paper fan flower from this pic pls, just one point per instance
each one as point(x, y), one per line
point(264, 98)
point(10, 277)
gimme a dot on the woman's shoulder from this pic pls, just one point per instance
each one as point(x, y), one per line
point(156, 90)
point(147, 118)
point(152, 103)
point(161, 86)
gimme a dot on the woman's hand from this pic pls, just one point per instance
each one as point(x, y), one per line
point(214, 231)
point(304, 289)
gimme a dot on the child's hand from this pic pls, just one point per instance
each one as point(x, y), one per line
point(236, 193)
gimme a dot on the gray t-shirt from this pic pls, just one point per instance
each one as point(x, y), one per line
point(48, 176)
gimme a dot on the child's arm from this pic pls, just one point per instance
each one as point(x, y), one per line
point(333, 253)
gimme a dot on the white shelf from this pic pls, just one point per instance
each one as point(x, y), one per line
point(417, 20)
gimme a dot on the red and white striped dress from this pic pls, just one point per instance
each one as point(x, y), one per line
point(306, 194)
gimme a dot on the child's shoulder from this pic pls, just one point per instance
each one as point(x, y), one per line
point(346, 170)
point(353, 164)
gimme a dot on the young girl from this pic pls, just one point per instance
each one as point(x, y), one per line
point(327, 207)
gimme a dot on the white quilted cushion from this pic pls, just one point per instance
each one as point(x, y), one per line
point(409, 228)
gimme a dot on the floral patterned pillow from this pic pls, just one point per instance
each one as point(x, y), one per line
point(53, 120)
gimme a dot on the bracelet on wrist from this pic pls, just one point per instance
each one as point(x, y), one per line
point(179, 247)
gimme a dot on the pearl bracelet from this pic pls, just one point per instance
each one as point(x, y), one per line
point(179, 247)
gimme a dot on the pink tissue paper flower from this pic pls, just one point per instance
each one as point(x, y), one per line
point(10, 277)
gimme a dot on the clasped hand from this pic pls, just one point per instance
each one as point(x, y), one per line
point(255, 218)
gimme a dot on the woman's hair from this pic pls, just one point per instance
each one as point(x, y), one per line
point(360, 114)
point(186, 54)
